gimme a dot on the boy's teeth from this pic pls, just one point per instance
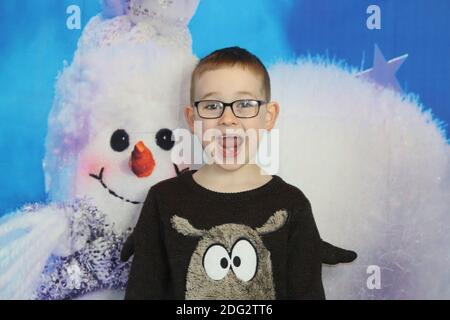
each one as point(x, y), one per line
point(230, 142)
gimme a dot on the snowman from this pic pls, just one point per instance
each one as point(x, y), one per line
point(109, 140)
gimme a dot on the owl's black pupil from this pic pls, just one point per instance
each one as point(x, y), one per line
point(120, 140)
point(164, 139)
point(237, 261)
point(224, 263)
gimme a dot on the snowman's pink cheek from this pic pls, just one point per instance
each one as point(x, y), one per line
point(91, 165)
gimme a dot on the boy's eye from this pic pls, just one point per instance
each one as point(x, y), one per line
point(246, 104)
point(212, 106)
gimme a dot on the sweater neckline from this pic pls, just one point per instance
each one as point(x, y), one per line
point(269, 186)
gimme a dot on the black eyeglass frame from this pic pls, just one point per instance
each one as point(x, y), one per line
point(230, 104)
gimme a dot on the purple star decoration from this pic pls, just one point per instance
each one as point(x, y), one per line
point(383, 72)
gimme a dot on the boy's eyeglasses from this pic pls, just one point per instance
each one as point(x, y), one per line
point(213, 109)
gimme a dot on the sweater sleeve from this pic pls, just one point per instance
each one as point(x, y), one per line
point(304, 261)
point(149, 274)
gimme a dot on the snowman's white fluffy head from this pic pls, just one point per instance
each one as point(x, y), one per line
point(123, 86)
point(164, 22)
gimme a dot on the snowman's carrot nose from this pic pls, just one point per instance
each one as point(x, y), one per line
point(142, 162)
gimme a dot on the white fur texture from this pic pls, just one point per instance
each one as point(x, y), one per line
point(376, 168)
point(27, 238)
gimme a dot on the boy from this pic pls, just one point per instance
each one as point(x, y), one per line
point(232, 232)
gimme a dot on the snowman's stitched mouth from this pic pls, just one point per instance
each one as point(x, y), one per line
point(99, 177)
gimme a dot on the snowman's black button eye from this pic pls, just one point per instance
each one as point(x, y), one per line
point(120, 140)
point(164, 139)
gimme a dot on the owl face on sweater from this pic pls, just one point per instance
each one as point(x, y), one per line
point(230, 261)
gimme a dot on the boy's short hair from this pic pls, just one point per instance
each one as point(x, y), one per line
point(229, 57)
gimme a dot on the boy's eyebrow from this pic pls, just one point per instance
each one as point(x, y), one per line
point(208, 95)
point(248, 93)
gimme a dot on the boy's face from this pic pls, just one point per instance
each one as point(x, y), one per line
point(233, 140)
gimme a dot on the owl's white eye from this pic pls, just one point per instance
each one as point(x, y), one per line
point(216, 262)
point(244, 260)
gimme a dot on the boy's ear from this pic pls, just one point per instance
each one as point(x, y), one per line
point(190, 117)
point(272, 111)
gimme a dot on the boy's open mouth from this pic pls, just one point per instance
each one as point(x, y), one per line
point(230, 145)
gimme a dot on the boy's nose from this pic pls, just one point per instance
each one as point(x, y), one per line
point(228, 117)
